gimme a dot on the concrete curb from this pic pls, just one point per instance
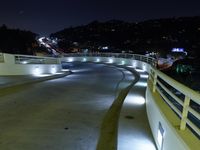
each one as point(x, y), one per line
point(109, 128)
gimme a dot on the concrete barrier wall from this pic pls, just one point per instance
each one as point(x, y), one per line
point(9, 67)
point(110, 60)
point(171, 140)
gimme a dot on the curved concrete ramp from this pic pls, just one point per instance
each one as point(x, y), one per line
point(61, 114)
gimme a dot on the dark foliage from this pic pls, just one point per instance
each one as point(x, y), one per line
point(152, 35)
point(15, 41)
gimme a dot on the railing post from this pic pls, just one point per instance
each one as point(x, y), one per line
point(184, 113)
point(154, 81)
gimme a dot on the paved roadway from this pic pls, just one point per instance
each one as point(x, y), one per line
point(60, 114)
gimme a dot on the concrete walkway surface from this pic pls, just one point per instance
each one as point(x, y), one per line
point(14, 80)
point(134, 131)
point(67, 113)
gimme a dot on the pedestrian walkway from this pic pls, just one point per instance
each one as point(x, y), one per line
point(134, 132)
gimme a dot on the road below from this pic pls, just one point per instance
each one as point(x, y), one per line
point(61, 114)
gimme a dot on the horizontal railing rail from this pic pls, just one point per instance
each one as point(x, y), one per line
point(1, 58)
point(184, 101)
point(25, 59)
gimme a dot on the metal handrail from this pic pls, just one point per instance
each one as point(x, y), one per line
point(26, 59)
point(188, 94)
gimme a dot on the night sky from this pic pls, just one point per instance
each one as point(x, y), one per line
point(47, 16)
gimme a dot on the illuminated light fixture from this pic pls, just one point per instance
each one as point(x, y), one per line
point(24, 62)
point(70, 59)
point(160, 135)
point(65, 69)
point(123, 62)
point(144, 67)
point(105, 48)
point(84, 59)
point(134, 64)
point(98, 60)
point(53, 70)
point(37, 71)
point(110, 60)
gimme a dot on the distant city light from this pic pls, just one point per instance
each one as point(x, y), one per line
point(123, 62)
point(105, 48)
point(178, 50)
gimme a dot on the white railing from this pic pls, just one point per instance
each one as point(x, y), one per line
point(1, 58)
point(26, 59)
point(184, 101)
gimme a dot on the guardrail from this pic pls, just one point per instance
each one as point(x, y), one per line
point(25, 59)
point(1, 58)
point(184, 101)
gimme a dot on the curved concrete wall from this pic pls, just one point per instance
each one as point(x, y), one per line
point(111, 60)
point(28, 69)
point(9, 67)
point(171, 140)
